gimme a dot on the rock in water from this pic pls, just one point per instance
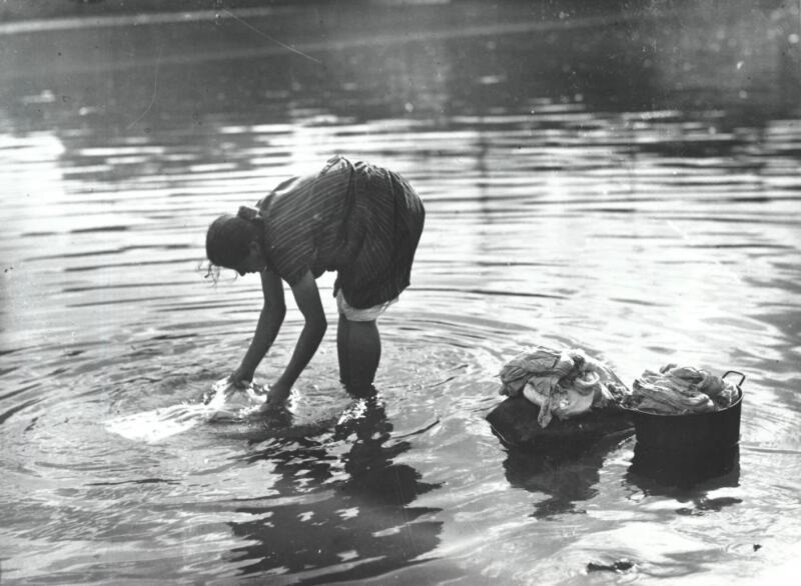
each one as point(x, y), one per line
point(514, 421)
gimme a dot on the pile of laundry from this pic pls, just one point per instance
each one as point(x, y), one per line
point(680, 390)
point(563, 383)
point(568, 383)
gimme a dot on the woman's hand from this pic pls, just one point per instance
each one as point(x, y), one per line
point(274, 410)
point(277, 395)
point(274, 415)
point(241, 378)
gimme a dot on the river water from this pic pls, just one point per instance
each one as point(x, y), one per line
point(625, 180)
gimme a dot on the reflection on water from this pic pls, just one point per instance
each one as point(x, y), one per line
point(659, 470)
point(355, 506)
point(621, 178)
point(568, 479)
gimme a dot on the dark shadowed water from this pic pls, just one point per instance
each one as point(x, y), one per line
point(627, 180)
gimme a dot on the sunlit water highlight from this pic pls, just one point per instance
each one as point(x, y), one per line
point(633, 190)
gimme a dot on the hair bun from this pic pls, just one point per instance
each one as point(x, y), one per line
point(249, 213)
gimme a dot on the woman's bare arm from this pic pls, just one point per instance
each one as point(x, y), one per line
point(307, 297)
point(270, 320)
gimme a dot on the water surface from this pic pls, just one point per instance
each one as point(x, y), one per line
point(627, 182)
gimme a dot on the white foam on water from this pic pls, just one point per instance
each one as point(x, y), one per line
point(224, 402)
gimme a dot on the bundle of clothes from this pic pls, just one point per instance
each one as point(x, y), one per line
point(563, 383)
point(568, 383)
point(680, 390)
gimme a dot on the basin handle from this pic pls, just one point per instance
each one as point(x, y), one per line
point(737, 372)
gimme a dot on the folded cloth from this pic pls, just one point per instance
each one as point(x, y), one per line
point(563, 383)
point(679, 390)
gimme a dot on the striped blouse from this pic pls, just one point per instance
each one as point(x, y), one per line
point(358, 219)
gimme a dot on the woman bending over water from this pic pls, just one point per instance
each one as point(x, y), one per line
point(358, 219)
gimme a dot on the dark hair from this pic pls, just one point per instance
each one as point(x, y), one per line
point(229, 237)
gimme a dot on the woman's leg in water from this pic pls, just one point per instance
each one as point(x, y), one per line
point(359, 352)
point(342, 350)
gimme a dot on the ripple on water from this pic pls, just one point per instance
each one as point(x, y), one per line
point(559, 211)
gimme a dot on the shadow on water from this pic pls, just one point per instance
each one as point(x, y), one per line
point(339, 516)
point(687, 479)
point(655, 471)
point(567, 477)
point(568, 472)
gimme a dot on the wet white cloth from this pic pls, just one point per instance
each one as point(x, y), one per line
point(563, 383)
point(224, 401)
